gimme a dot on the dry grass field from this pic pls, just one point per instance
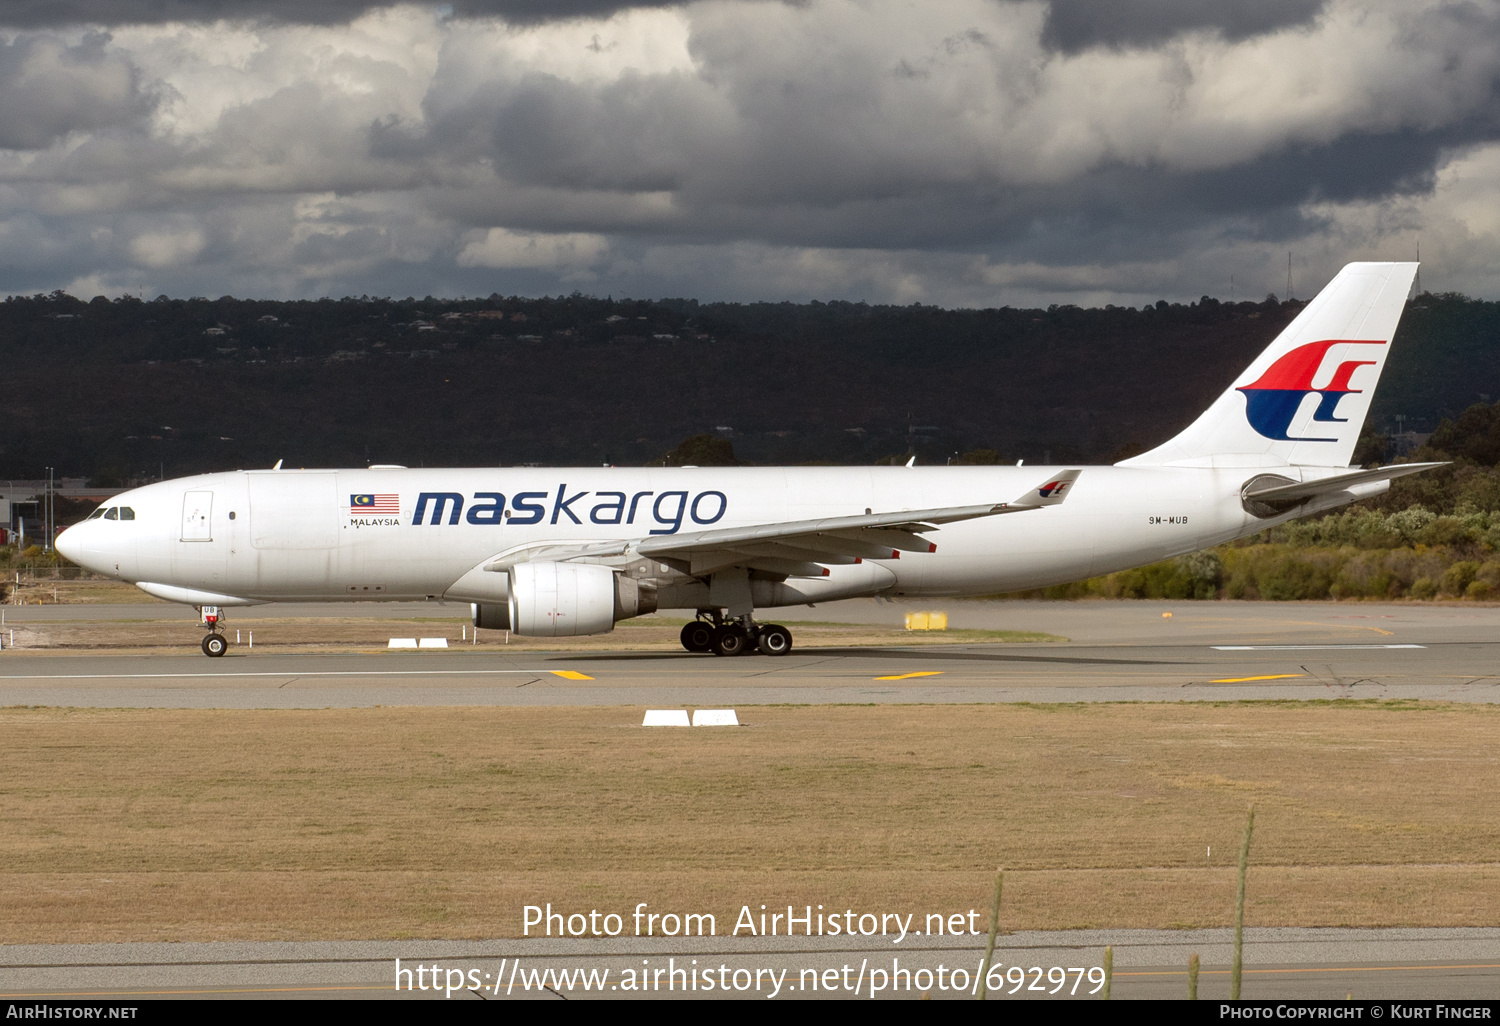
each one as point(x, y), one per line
point(88, 591)
point(368, 634)
point(422, 822)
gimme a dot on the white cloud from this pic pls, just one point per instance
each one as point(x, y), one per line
point(1456, 227)
point(503, 248)
point(167, 249)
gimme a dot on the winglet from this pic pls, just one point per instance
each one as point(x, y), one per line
point(1054, 491)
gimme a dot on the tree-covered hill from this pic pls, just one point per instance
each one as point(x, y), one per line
point(121, 390)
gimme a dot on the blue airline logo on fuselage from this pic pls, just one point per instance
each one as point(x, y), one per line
point(667, 509)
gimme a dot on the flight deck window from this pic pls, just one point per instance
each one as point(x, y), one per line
point(113, 514)
point(126, 513)
point(97, 513)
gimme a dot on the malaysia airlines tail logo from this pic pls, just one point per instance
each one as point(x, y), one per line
point(1052, 488)
point(1273, 400)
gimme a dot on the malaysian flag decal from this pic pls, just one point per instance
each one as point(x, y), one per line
point(376, 505)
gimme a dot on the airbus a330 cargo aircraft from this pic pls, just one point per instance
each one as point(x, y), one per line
point(572, 551)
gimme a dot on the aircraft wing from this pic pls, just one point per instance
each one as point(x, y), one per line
point(796, 548)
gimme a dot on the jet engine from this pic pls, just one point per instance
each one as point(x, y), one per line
point(555, 600)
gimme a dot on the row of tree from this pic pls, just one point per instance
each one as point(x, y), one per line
point(126, 390)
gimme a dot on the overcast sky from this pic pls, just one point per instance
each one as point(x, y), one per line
point(958, 152)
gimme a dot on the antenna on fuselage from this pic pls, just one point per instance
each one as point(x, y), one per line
point(278, 465)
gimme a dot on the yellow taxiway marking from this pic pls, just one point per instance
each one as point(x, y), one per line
point(1241, 680)
point(919, 673)
point(570, 674)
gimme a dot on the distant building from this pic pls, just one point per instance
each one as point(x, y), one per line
point(1403, 443)
point(22, 503)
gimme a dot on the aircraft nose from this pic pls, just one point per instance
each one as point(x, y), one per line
point(70, 546)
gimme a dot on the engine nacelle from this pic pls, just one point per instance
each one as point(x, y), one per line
point(557, 600)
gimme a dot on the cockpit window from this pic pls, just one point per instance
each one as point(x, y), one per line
point(97, 513)
point(113, 513)
point(126, 513)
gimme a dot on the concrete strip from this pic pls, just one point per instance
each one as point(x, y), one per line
point(1454, 963)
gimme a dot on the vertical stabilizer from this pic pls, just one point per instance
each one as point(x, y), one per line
point(1303, 400)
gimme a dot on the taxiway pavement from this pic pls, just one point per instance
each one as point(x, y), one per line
point(1118, 651)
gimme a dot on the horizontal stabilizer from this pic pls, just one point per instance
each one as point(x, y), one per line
point(1297, 491)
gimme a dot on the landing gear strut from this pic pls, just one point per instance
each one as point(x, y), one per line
point(736, 637)
point(214, 643)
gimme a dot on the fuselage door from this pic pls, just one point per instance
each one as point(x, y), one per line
point(197, 514)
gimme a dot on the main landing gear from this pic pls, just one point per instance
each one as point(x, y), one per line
point(214, 643)
point(732, 638)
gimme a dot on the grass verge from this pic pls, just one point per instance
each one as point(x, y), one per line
point(408, 822)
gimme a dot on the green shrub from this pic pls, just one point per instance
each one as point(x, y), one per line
point(1457, 578)
point(1356, 554)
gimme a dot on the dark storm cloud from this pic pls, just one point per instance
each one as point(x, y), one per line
point(34, 13)
point(51, 88)
point(951, 152)
point(829, 177)
point(1073, 25)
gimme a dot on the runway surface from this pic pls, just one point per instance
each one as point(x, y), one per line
point(1118, 651)
point(1409, 964)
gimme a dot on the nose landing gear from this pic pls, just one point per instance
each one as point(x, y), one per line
point(214, 644)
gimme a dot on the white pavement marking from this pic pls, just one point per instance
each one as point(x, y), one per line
point(1298, 648)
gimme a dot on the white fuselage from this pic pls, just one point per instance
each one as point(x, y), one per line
point(264, 536)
